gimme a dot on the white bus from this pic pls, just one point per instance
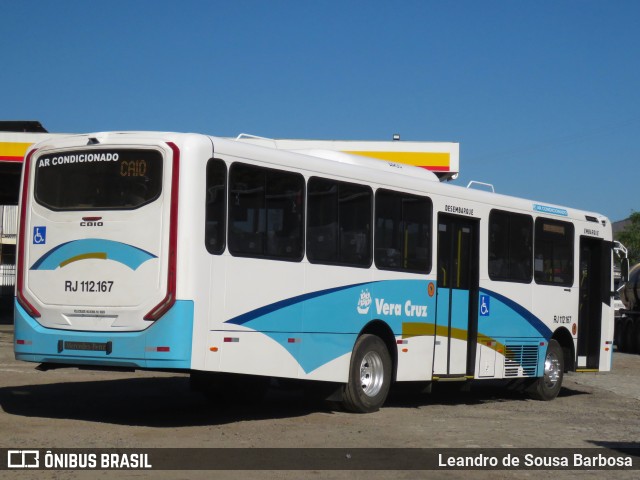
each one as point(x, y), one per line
point(229, 259)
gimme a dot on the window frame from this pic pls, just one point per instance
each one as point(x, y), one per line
point(369, 233)
point(225, 212)
point(379, 195)
point(570, 234)
point(229, 220)
point(510, 263)
point(158, 183)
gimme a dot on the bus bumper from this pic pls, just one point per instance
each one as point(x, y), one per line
point(166, 344)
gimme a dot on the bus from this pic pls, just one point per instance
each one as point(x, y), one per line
point(246, 259)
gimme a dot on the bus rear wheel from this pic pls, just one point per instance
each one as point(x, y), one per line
point(618, 334)
point(635, 336)
point(548, 386)
point(369, 375)
point(627, 340)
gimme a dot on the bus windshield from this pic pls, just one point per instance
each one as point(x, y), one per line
point(98, 179)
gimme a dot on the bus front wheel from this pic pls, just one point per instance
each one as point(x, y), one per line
point(548, 386)
point(369, 375)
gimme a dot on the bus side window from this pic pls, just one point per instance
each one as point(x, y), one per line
point(266, 213)
point(322, 221)
point(339, 223)
point(214, 232)
point(355, 207)
point(510, 246)
point(402, 232)
point(553, 252)
point(285, 211)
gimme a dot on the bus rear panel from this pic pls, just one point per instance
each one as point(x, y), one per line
point(95, 265)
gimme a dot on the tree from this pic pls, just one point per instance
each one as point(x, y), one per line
point(630, 237)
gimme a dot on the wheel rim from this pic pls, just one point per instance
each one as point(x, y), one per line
point(371, 374)
point(551, 369)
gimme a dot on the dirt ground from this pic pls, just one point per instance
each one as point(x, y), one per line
point(71, 408)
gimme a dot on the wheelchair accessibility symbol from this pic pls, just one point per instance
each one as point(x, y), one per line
point(39, 235)
point(485, 305)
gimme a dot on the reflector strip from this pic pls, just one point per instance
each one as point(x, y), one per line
point(164, 306)
point(157, 349)
point(231, 339)
point(402, 342)
point(294, 340)
point(24, 342)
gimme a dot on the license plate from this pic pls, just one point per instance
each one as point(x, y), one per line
point(88, 346)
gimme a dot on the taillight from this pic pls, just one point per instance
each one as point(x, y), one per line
point(170, 298)
point(22, 239)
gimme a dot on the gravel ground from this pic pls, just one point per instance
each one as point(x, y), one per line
point(70, 408)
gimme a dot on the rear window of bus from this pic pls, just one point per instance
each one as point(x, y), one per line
point(97, 179)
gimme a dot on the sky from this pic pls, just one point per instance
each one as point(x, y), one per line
point(542, 96)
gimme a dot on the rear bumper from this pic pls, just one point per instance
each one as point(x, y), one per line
point(166, 344)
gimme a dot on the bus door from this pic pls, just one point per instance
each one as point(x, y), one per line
point(457, 302)
point(595, 289)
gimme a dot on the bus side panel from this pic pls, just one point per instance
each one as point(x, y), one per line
point(328, 323)
point(415, 359)
point(557, 307)
point(332, 322)
point(512, 331)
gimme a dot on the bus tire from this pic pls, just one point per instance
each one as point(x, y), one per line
point(548, 386)
point(627, 340)
point(636, 335)
point(369, 375)
point(618, 334)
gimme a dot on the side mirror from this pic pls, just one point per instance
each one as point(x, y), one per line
point(624, 270)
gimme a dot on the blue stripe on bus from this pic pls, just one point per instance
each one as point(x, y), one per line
point(315, 349)
point(509, 330)
point(333, 314)
point(129, 349)
point(331, 319)
point(337, 315)
point(262, 311)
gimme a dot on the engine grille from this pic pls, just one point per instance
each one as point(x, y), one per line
point(521, 361)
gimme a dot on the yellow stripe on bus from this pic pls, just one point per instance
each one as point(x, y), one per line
point(419, 329)
point(419, 159)
point(84, 256)
point(10, 149)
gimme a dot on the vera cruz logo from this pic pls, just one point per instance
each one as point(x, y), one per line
point(364, 303)
point(407, 309)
